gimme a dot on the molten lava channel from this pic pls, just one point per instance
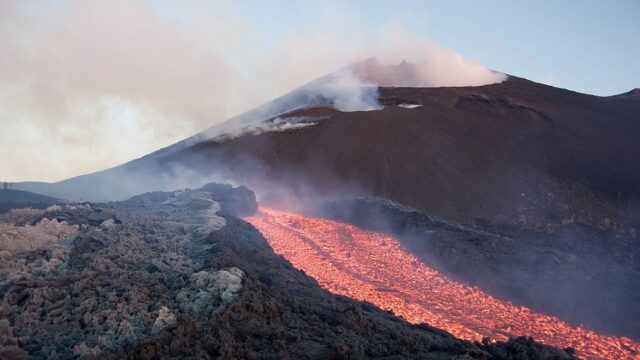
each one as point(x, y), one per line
point(374, 267)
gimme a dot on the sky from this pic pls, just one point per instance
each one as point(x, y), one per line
point(89, 84)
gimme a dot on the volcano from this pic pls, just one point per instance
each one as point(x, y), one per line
point(527, 191)
point(511, 152)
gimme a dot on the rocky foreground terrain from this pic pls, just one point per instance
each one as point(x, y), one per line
point(179, 275)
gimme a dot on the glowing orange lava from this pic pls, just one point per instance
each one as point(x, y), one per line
point(374, 267)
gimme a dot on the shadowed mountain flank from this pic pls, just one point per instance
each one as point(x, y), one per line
point(515, 152)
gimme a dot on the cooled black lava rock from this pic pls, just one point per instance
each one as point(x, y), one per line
point(178, 277)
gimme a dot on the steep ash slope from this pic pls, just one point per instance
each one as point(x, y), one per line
point(178, 275)
point(515, 152)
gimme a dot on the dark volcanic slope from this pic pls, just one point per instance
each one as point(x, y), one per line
point(176, 275)
point(517, 152)
point(10, 198)
point(511, 152)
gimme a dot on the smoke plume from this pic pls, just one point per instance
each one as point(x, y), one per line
point(89, 85)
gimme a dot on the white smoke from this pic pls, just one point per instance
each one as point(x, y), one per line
point(449, 70)
point(342, 90)
point(93, 84)
point(387, 56)
point(346, 91)
point(403, 60)
point(273, 125)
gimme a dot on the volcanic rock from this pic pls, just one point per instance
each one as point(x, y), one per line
point(166, 319)
point(150, 285)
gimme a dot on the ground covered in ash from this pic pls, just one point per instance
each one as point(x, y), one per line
point(179, 275)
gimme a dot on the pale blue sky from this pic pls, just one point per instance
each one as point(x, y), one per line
point(587, 46)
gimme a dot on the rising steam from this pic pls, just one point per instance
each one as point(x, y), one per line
point(430, 72)
point(76, 85)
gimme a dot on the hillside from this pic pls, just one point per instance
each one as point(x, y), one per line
point(11, 198)
point(512, 152)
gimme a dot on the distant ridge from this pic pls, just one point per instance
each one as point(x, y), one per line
point(11, 198)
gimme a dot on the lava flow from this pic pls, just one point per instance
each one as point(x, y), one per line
point(370, 266)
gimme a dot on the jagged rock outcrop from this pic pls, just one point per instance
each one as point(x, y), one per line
point(210, 292)
point(165, 319)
